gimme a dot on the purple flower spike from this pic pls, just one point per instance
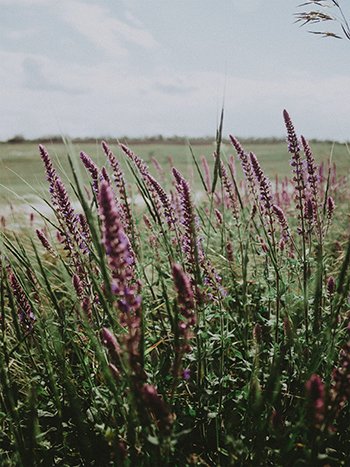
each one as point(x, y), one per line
point(230, 191)
point(25, 312)
point(330, 208)
point(110, 342)
point(92, 168)
point(298, 168)
point(51, 174)
point(246, 165)
point(185, 300)
point(316, 392)
point(44, 241)
point(119, 253)
point(293, 144)
point(168, 210)
point(331, 286)
point(119, 181)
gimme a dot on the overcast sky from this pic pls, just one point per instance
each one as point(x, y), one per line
point(145, 67)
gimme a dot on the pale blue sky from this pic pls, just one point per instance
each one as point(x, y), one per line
point(145, 67)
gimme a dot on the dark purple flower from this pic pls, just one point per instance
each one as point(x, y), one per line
point(282, 221)
point(315, 389)
point(246, 165)
point(153, 402)
point(92, 168)
point(230, 191)
point(119, 253)
point(119, 181)
point(330, 208)
point(312, 177)
point(25, 312)
point(51, 174)
point(331, 286)
point(44, 241)
point(298, 168)
point(168, 210)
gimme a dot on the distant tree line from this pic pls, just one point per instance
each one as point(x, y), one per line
point(157, 139)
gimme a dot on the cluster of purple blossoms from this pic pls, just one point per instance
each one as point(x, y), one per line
point(315, 389)
point(190, 243)
point(44, 241)
point(330, 208)
point(340, 390)
point(25, 313)
point(168, 211)
point(230, 191)
point(282, 222)
point(297, 166)
point(119, 181)
point(264, 184)
point(312, 177)
point(156, 405)
point(69, 224)
point(143, 169)
point(246, 165)
point(51, 174)
point(92, 169)
point(185, 300)
point(119, 252)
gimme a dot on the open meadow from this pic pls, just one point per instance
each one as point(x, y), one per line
point(21, 167)
point(180, 330)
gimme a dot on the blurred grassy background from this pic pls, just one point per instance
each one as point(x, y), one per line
point(22, 173)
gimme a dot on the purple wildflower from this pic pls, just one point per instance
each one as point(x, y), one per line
point(219, 216)
point(143, 169)
point(190, 243)
point(92, 168)
point(51, 174)
point(331, 286)
point(168, 210)
point(119, 181)
point(330, 208)
point(297, 165)
point(78, 286)
point(312, 177)
point(230, 191)
point(246, 165)
point(340, 390)
point(65, 209)
point(315, 389)
point(105, 176)
point(282, 221)
point(110, 342)
point(25, 312)
point(119, 253)
point(44, 241)
point(153, 402)
point(158, 167)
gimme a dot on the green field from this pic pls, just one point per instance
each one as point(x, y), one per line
point(22, 170)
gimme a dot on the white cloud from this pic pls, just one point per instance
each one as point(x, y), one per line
point(20, 34)
point(108, 100)
point(96, 23)
point(25, 2)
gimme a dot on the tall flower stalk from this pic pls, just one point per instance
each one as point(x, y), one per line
point(299, 186)
point(119, 181)
point(124, 285)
